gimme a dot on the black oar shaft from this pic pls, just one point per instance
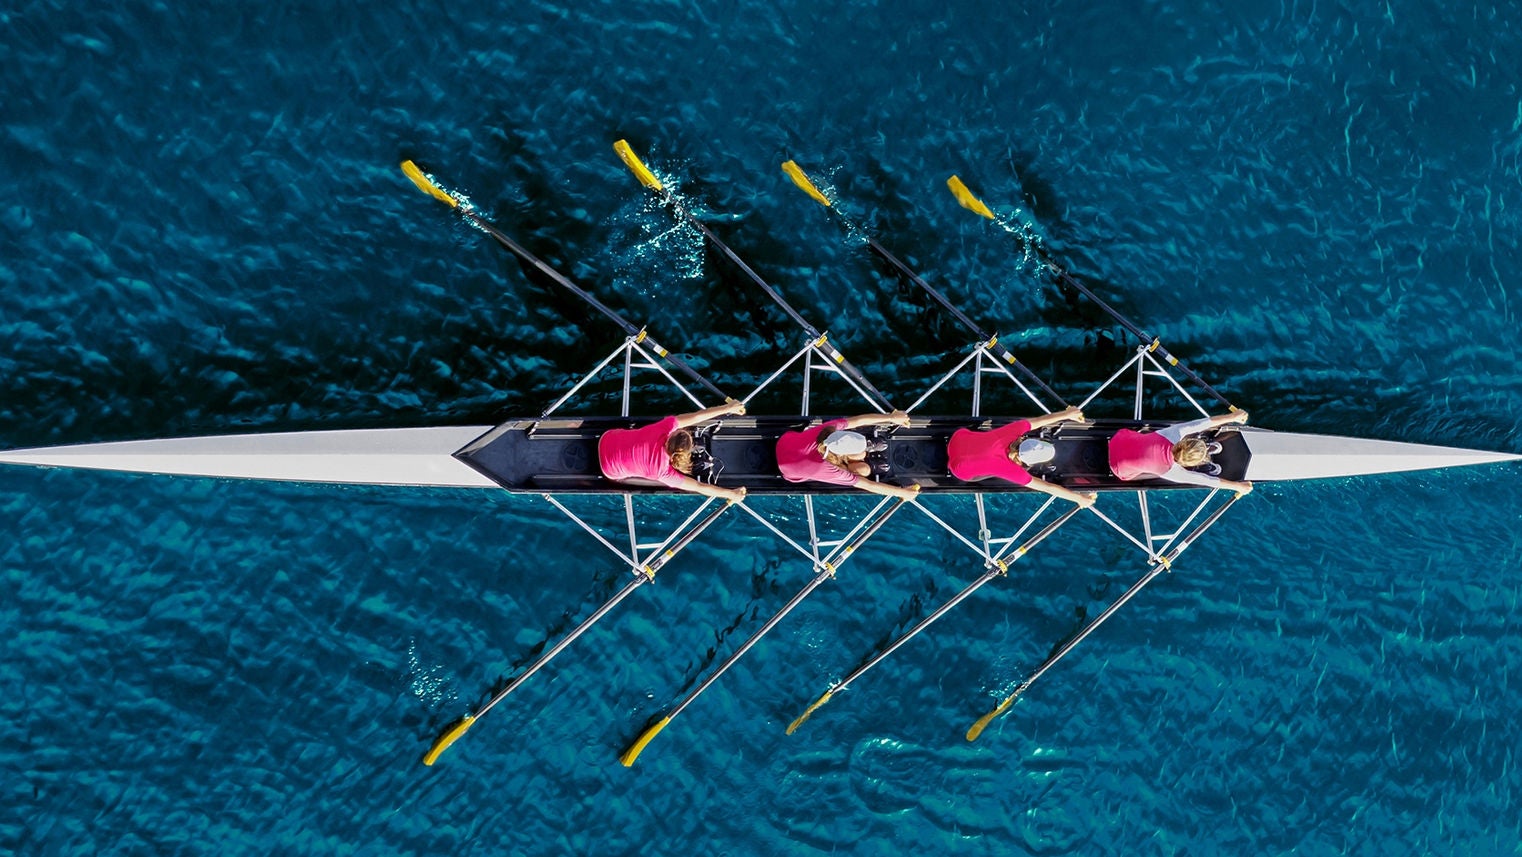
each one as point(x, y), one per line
point(836, 358)
point(426, 184)
point(1153, 343)
point(667, 198)
point(565, 282)
point(989, 341)
point(970, 201)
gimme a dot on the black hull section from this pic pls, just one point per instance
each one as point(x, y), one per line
point(559, 456)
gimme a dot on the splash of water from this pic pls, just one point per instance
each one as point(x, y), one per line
point(429, 684)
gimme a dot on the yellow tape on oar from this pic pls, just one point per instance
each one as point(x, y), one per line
point(977, 728)
point(793, 727)
point(966, 199)
point(426, 185)
point(629, 755)
point(448, 738)
point(636, 166)
point(795, 173)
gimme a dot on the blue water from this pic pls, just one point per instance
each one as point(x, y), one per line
point(203, 230)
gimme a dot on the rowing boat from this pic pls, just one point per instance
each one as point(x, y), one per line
point(534, 455)
point(553, 454)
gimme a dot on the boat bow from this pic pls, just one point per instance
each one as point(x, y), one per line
point(1280, 456)
point(421, 457)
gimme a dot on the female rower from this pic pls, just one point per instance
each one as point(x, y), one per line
point(662, 452)
point(835, 452)
point(1168, 453)
point(1005, 453)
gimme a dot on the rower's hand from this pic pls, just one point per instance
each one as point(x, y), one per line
point(1244, 488)
point(735, 495)
point(737, 408)
point(1086, 499)
point(1073, 415)
point(899, 418)
point(1239, 417)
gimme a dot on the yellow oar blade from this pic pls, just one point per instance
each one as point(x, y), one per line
point(977, 728)
point(636, 166)
point(968, 201)
point(795, 173)
point(793, 727)
point(629, 755)
point(449, 737)
point(426, 185)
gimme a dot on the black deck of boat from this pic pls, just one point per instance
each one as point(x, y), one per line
point(559, 456)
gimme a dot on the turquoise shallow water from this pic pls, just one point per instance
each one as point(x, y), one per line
point(203, 230)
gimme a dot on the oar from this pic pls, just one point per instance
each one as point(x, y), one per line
point(996, 568)
point(644, 575)
point(827, 571)
point(649, 180)
point(990, 341)
point(965, 197)
point(1164, 563)
point(430, 187)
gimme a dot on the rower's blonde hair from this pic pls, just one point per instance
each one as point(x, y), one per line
point(679, 447)
point(1012, 452)
point(837, 460)
point(1191, 452)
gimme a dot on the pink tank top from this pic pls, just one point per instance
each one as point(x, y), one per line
point(1135, 455)
point(973, 455)
point(639, 453)
point(799, 460)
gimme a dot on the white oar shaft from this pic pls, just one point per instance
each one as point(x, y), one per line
point(994, 571)
point(1164, 565)
point(565, 641)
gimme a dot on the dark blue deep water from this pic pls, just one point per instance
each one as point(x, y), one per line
point(203, 230)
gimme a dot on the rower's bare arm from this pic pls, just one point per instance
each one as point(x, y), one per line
point(1069, 415)
point(713, 413)
point(1227, 419)
point(883, 488)
point(693, 486)
point(898, 418)
point(1062, 493)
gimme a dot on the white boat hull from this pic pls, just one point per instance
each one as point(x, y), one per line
point(410, 456)
point(1278, 456)
point(423, 457)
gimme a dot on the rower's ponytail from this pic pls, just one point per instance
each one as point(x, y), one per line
point(679, 447)
point(1191, 452)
